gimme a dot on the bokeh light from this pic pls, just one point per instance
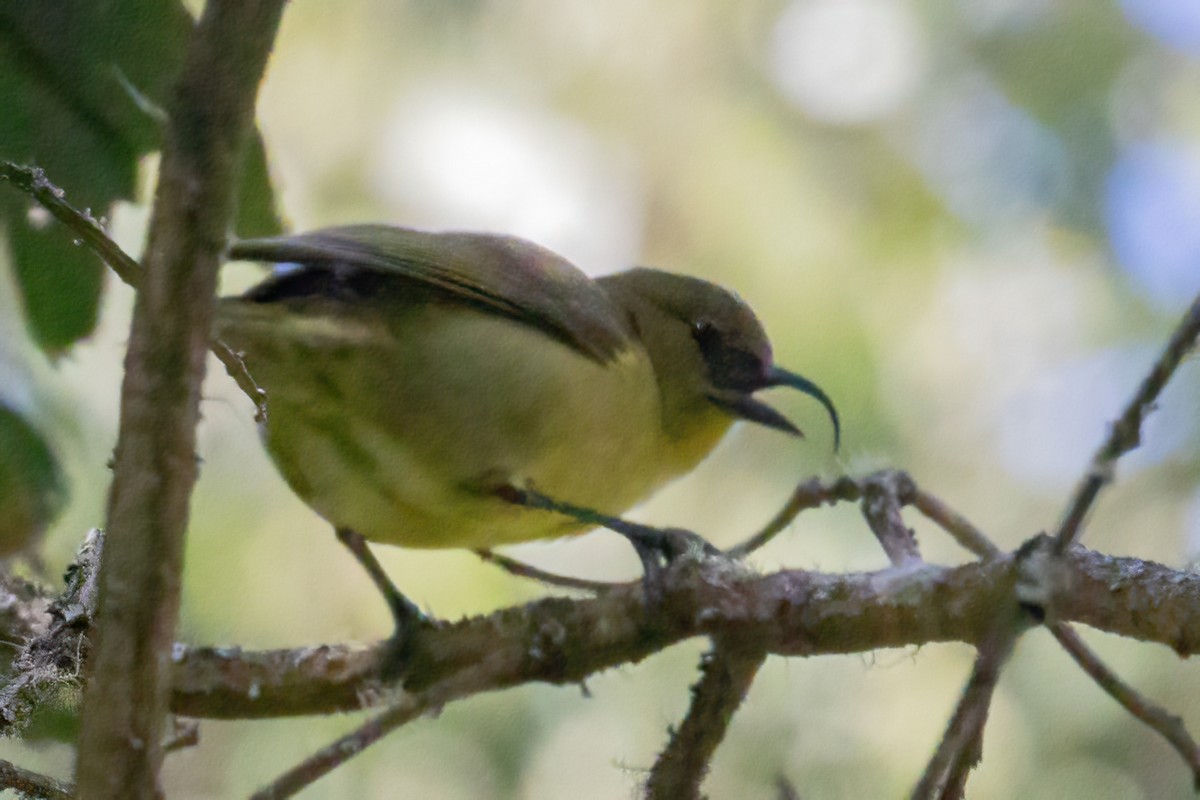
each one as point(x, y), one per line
point(1173, 22)
point(451, 158)
point(1153, 214)
point(847, 61)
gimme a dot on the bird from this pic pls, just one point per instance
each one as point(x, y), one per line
point(421, 387)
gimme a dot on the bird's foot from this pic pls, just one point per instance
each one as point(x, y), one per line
point(409, 620)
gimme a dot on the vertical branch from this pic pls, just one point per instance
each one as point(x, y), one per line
point(727, 672)
point(210, 113)
point(881, 509)
point(961, 747)
point(1126, 433)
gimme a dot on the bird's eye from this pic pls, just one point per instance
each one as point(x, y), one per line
point(707, 338)
point(728, 366)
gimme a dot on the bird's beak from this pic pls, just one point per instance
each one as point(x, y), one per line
point(745, 406)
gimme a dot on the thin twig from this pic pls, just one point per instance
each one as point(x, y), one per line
point(953, 523)
point(961, 744)
point(236, 369)
point(1164, 723)
point(955, 787)
point(1125, 434)
point(339, 752)
point(33, 784)
point(33, 182)
point(810, 494)
point(727, 672)
point(522, 570)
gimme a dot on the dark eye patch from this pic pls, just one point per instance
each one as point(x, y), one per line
point(729, 367)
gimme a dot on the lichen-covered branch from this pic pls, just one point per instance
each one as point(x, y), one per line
point(32, 784)
point(793, 612)
point(53, 649)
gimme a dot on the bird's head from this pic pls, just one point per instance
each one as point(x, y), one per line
point(708, 347)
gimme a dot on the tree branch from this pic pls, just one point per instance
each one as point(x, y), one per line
point(810, 494)
point(334, 755)
point(726, 674)
point(33, 182)
point(962, 529)
point(209, 118)
point(881, 508)
point(1165, 724)
point(1125, 434)
point(52, 658)
point(32, 784)
point(522, 570)
point(961, 747)
point(793, 613)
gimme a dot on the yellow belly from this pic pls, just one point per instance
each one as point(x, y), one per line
point(403, 432)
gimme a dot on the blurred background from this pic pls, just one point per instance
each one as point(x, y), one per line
point(973, 223)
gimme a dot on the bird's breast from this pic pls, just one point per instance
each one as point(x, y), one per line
point(403, 428)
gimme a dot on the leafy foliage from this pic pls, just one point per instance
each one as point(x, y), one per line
point(82, 84)
point(31, 484)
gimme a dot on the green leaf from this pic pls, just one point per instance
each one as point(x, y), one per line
point(257, 216)
point(31, 484)
point(60, 283)
point(82, 85)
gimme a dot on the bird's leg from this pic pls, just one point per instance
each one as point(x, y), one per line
point(654, 546)
point(405, 614)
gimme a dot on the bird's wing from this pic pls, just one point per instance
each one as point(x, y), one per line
point(503, 274)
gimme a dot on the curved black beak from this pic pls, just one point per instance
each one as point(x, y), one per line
point(744, 406)
point(777, 376)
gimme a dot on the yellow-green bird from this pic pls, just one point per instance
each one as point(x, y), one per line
point(417, 383)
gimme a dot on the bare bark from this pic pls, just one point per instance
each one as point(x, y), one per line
point(726, 675)
point(209, 118)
